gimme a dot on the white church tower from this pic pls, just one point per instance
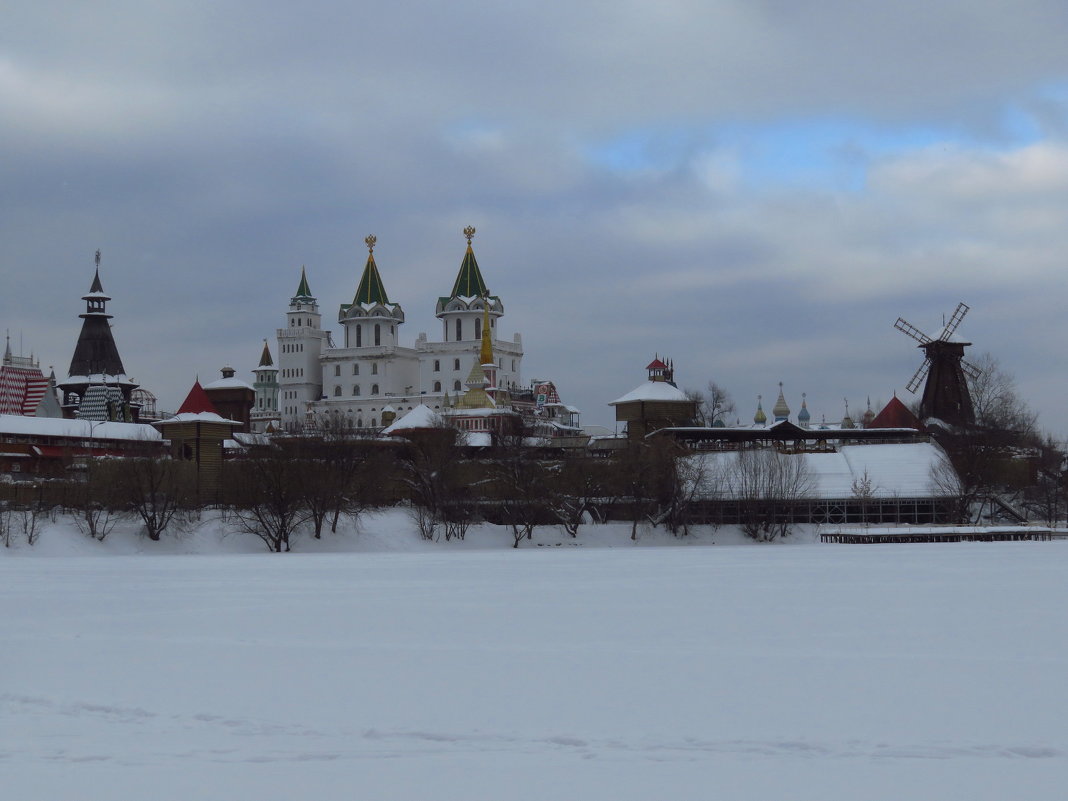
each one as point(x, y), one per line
point(463, 313)
point(300, 346)
point(265, 405)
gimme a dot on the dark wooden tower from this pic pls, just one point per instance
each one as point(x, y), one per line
point(96, 370)
point(945, 394)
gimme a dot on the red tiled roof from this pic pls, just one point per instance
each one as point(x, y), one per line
point(197, 401)
point(895, 415)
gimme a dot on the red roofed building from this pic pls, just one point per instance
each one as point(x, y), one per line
point(196, 433)
point(895, 415)
point(24, 390)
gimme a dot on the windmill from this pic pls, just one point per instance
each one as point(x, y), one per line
point(945, 395)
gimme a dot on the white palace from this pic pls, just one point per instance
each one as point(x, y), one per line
point(370, 373)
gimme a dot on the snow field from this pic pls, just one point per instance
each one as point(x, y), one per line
point(807, 672)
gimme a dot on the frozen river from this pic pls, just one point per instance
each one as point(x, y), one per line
point(804, 672)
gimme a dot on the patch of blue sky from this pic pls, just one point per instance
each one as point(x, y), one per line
point(820, 152)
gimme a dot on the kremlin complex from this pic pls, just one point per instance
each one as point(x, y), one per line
point(373, 384)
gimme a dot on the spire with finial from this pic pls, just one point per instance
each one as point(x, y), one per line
point(265, 357)
point(371, 289)
point(847, 421)
point(303, 290)
point(868, 416)
point(96, 285)
point(469, 283)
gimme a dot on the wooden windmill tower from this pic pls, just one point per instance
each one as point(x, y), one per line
point(945, 395)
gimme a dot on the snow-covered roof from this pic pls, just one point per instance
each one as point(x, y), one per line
point(75, 429)
point(229, 383)
point(422, 416)
point(246, 438)
point(894, 470)
point(96, 378)
point(197, 417)
point(652, 391)
point(481, 412)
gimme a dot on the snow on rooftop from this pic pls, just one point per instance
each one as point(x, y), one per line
point(229, 383)
point(422, 416)
point(75, 429)
point(652, 391)
point(111, 379)
point(894, 470)
point(197, 417)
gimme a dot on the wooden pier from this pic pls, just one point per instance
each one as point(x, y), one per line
point(882, 536)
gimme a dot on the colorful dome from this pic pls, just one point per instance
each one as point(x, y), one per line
point(781, 410)
point(804, 416)
point(760, 418)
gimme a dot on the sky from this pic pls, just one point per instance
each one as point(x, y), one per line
point(756, 189)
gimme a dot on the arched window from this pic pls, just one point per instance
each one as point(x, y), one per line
point(455, 364)
point(437, 386)
point(374, 368)
point(337, 392)
point(374, 422)
point(459, 329)
point(437, 365)
point(356, 369)
point(374, 391)
point(359, 336)
point(513, 365)
point(456, 386)
point(356, 390)
point(337, 369)
point(478, 328)
point(359, 422)
point(378, 334)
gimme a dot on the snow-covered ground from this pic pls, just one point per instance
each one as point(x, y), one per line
point(403, 670)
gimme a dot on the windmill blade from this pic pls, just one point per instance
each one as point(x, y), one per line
point(912, 331)
point(972, 371)
point(954, 321)
point(920, 374)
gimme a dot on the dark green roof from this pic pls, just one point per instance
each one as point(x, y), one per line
point(303, 291)
point(371, 289)
point(469, 281)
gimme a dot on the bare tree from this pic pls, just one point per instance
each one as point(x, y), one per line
point(656, 482)
point(768, 486)
point(864, 491)
point(6, 527)
point(264, 496)
point(33, 514)
point(428, 472)
point(156, 489)
point(678, 480)
point(998, 405)
point(90, 500)
point(715, 403)
point(521, 485)
point(579, 487)
point(718, 404)
point(947, 483)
